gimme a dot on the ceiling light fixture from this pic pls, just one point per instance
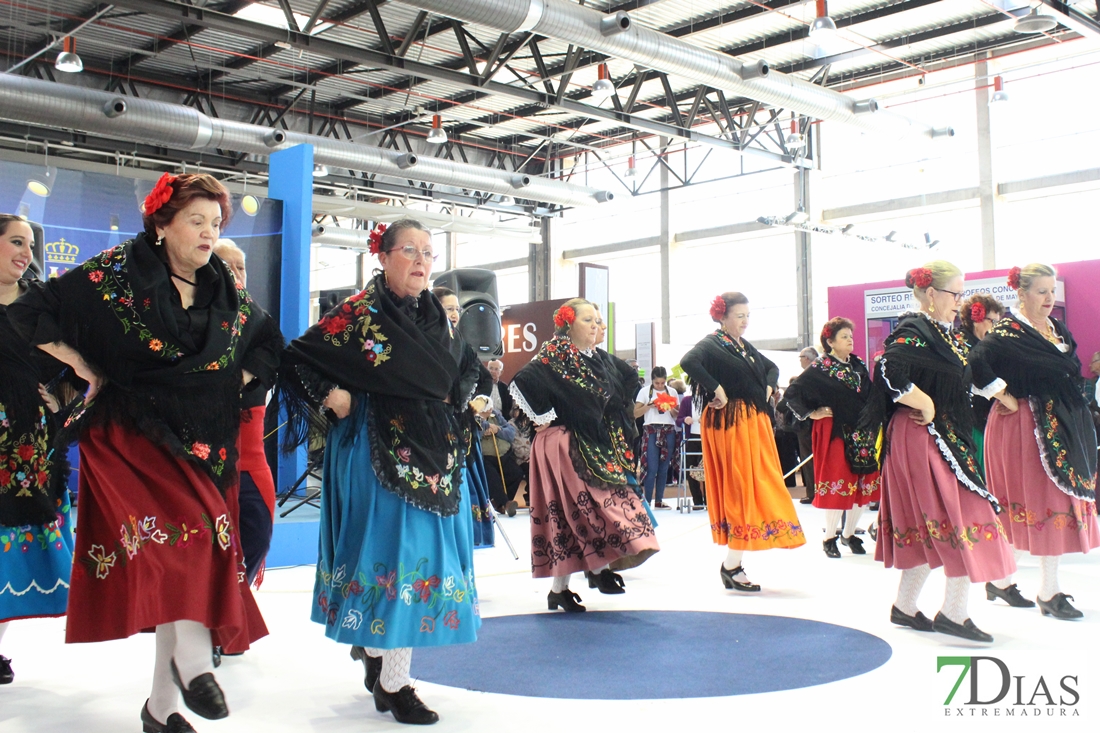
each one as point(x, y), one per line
point(1033, 22)
point(796, 140)
point(67, 60)
point(631, 169)
point(319, 170)
point(999, 93)
point(891, 237)
point(603, 88)
point(823, 26)
point(437, 136)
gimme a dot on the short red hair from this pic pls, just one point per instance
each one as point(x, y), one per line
point(831, 328)
point(185, 189)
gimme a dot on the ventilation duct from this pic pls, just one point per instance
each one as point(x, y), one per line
point(143, 120)
point(616, 35)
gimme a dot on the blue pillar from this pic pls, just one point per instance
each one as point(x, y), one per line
point(291, 181)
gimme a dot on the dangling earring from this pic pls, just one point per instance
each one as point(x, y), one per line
point(931, 308)
point(160, 241)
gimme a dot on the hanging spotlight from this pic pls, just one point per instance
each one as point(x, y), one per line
point(631, 170)
point(38, 188)
point(1033, 22)
point(603, 88)
point(823, 26)
point(437, 136)
point(847, 228)
point(796, 140)
point(319, 170)
point(67, 60)
point(999, 93)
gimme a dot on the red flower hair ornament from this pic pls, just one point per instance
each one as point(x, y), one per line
point(827, 334)
point(160, 195)
point(1014, 278)
point(564, 316)
point(375, 238)
point(718, 309)
point(918, 277)
point(977, 313)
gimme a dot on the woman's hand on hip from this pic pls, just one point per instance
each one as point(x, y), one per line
point(339, 401)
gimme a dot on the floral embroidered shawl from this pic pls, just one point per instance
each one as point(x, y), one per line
point(1036, 370)
point(402, 355)
point(743, 372)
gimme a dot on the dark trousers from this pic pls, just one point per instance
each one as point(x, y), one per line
point(500, 492)
point(786, 443)
point(806, 449)
point(255, 526)
point(695, 445)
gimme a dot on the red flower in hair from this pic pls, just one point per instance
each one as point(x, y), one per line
point(827, 333)
point(977, 312)
point(160, 194)
point(564, 316)
point(1014, 278)
point(918, 277)
point(718, 308)
point(375, 238)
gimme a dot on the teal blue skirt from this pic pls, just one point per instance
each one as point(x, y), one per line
point(35, 562)
point(476, 486)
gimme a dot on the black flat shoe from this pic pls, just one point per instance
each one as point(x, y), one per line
point(510, 508)
point(731, 584)
point(372, 666)
point(1010, 595)
point(405, 706)
point(606, 582)
point(873, 531)
point(965, 630)
point(830, 548)
point(806, 500)
point(567, 600)
point(7, 676)
point(855, 544)
point(1058, 607)
point(202, 696)
point(176, 723)
point(920, 622)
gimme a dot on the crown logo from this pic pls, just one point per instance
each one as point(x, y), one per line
point(61, 252)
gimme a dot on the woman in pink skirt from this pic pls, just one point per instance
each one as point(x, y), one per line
point(585, 512)
point(1040, 441)
point(936, 510)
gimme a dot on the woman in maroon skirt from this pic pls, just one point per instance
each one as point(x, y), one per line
point(165, 338)
point(1040, 442)
point(832, 392)
point(585, 513)
point(936, 510)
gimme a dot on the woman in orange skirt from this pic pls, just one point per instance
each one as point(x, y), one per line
point(750, 508)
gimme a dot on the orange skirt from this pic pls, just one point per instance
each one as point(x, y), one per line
point(749, 507)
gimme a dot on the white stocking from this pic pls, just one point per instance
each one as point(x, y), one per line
point(832, 521)
point(1005, 581)
point(3, 628)
point(955, 597)
point(396, 664)
point(1048, 577)
point(164, 697)
point(194, 651)
point(561, 583)
point(851, 524)
point(733, 560)
point(912, 580)
point(600, 569)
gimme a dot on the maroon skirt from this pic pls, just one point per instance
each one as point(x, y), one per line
point(836, 486)
point(928, 518)
point(156, 543)
point(1040, 517)
point(576, 527)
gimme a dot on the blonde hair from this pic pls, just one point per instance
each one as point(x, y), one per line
point(573, 303)
point(1030, 273)
point(942, 272)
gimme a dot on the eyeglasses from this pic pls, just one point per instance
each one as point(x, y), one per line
point(411, 253)
point(958, 296)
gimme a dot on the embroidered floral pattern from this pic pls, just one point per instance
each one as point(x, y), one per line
point(774, 531)
point(353, 318)
point(839, 370)
point(1076, 520)
point(731, 343)
point(944, 531)
point(24, 468)
point(138, 536)
point(1056, 454)
point(558, 534)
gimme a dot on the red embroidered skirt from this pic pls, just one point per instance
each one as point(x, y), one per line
point(835, 485)
point(928, 518)
point(253, 460)
point(1039, 517)
point(156, 543)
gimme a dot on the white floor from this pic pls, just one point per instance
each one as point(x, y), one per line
point(296, 680)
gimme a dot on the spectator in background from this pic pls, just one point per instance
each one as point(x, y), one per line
point(521, 447)
point(804, 430)
point(786, 442)
point(501, 469)
point(674, 464)
point(658, 434)
point(498, 393)
point(689, 415)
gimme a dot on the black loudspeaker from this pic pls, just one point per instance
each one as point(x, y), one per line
point(329, 299)
point(477, 295)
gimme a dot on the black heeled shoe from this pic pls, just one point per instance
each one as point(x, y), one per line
point(176, 723)
point(830, 547)
point(7, 676)
point(1010, 595)
point(202, 696)
point(606, 581)
point(855, 544)
point(965, 630)
point(1059, 607)
point(371, 665)
point(566, 600)
point(405, 706)
point(731, 584)
point(920, 622)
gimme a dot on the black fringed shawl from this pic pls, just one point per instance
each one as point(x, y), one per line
point(922, 352)
point(1036, 370)
point(120, 311)
point(743, 372)
point(844, 387)
point(402, 355)
point(981, 405)
point(586, 395)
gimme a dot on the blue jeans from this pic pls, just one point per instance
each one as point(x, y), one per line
point(656, 469)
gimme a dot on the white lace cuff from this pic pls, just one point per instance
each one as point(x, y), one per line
point(896, 393)
point(990, 389)
point(544, 419)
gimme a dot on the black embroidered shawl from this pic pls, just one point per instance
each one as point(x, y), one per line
point(403, 356)
point(981, 405)
point(744, 373)
point(117, 310)
point(586, 395)
point(844, 387)
point(1036, 370)
point(922, 352)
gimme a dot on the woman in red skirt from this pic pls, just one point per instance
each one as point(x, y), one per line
point(832, 392)
point(935, 510)
point(1040, 442)
point(166, 338)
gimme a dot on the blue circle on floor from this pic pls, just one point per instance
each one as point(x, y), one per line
point(645, 655)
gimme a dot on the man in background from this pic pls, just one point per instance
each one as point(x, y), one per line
point(499, 395)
